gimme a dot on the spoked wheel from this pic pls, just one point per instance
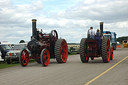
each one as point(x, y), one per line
point(24, 58)
point(111, 58)
point(105, 50)
point(83, 54)
point(45, 57)
point(61, 51)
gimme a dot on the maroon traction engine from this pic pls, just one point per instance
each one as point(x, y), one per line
point(43, 46)
point(89, 48)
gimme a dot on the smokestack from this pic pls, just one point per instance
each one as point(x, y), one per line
point(34, 31)
point(101, 28)
point(34, 27)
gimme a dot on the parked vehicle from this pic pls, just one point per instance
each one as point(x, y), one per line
point(1, 57)
point(125, 43)
point(15, 53)
point(112, 38)
point(73, 47)
point(4, 49)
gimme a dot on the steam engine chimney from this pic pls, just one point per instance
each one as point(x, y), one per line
point(101, 28)
point(34, 30)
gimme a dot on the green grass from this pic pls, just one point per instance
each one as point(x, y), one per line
point(15, 63)
point(5, 65)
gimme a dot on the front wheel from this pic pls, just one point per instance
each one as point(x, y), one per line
point(45, 57)
point(24, 57)
point(8, 61)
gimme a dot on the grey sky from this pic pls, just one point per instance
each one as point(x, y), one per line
point(71, 18)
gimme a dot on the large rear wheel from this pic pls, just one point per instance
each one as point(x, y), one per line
point(45, 57)
point(83, 55)
point(105, 50)
point(24, 58)
point(61, 51)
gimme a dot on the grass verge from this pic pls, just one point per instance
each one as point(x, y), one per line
point(5, 65)
point(16, 63)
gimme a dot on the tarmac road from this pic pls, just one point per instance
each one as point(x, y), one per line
point(74, 72)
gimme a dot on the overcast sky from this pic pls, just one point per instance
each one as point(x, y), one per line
point(71, 18)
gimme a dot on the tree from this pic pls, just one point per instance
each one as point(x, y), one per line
point(120, 39)
point(22, 41)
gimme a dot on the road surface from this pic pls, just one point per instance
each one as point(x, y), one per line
point(74, 72)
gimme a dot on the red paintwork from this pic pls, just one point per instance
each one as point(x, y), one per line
point(64, 51)
point(91, 48)
point(25, 57)
point(86, 56)
point(46, 57)
point(108, 50)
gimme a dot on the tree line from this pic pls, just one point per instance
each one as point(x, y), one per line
point(120, 39)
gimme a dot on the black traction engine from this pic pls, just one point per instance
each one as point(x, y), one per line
point(44, 46)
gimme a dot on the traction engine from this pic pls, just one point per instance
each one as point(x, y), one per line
point(44, 46)
point(89, 48)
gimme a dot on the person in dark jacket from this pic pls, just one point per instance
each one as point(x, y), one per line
point(98, 38)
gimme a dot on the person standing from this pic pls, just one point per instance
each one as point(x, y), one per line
point(98, 38)
point(91, 33)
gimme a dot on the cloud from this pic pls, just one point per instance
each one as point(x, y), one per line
point(5, 3)
point(109, 11)
point(15, 20)
point(71, 21)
